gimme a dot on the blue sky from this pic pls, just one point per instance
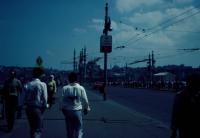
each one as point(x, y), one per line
point(52, 29)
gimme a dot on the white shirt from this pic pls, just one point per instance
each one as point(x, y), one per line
point(36, 93)
point(72, 97)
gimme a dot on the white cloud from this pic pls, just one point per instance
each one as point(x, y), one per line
point(148, 19)
point(114, 25)
point(187, 25)
point(182, 1)
point(99, 21)
point(97, 24)
point(80, 30)
point(49, 53)
point(162, 38)
point(129, 5)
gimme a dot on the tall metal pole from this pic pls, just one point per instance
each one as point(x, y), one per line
point(105, 53)
point(84, 60)
point(81, 66)
point(74, 63)
point(105, 68)
point(106, 20)
point(153, 67)
point(106, 46)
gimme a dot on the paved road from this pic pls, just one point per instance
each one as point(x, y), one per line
point(106, 119)
point(153, 103)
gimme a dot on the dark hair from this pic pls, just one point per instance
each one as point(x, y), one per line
point(12, 73)
point(72, 77)
point(37, 72)
point(193, 81)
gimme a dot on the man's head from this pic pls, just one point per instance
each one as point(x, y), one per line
point(37, 72)
point(72, 77)
point(51, 77)
point(193, 81)
point(12, 73)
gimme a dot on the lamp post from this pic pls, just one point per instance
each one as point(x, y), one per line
point(106, 45)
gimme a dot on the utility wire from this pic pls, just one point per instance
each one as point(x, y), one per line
point(183, 31)
point(160, 29)
point(145, 58)
point(153, 29)
point(173, 18)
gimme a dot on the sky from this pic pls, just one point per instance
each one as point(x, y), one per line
point(52, 29)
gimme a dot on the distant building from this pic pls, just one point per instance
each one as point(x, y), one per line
point(164, 76)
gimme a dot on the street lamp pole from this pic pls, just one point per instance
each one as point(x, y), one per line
point(106, 45)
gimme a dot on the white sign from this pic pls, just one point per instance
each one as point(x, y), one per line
point(106, 40)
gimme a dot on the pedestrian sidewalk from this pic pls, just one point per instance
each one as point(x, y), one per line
point(107, 119)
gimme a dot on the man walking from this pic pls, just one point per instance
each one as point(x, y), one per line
point(36, 102)
point(185, 119)
point(11, 90)
point(73, 100)
point(51, 89)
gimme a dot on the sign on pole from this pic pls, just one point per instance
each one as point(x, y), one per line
point(106, 43)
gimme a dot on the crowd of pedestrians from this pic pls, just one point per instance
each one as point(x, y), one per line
point(158, 85)
point(36, 96)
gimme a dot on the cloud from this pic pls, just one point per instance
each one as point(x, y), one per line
point(97, 24)
point(79, 30)
point(148, 19)
point(129, 5)
point(49, 53)
point(182, 1)
point(160, 36)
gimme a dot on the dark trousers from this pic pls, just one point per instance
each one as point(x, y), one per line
point(35, 119)
point(51, 99)
point(11, 103)
point(104, 96)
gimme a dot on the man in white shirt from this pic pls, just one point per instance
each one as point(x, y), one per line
point(73, 100)
point(36, 102)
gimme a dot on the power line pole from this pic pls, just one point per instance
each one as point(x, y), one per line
point(81, 66)
point(74, 62)
point(153, 61)
point(126, 75)
point(84, 64)
point(149, 66)
point(105, 31)
point(106, 45)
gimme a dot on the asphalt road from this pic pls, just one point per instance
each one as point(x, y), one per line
point(153, 103)
point(108, 119)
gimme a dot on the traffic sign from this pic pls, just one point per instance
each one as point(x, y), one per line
point(106, 43)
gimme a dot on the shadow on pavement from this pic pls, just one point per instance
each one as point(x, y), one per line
point(109, 121)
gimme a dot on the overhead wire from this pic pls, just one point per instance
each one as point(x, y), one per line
point(167, 23)
point(160, 29)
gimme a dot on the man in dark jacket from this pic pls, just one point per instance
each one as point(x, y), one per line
point(186, 110)
point(11, 90)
